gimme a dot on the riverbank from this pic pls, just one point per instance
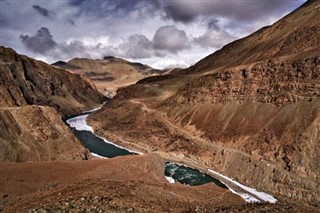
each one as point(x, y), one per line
point(86, 134)
point(104, 148)
point(135, 182)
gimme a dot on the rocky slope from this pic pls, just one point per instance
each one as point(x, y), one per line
point(32, 95)
point(250, 110)
point(122, 184)
point(294, 34)
point(25, 81)
point(110, 73)
point(37, 133)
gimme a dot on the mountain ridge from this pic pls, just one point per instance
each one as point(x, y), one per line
point(282, 44)
point(258, 109)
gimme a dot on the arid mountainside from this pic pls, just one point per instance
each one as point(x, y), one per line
point(110, 73)
point(25, 81)
point(295, 34)
point(250, 110)
point(37, 133)
point(122, 184)
point(33, 95)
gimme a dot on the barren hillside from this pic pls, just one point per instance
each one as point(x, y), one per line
point(249, 110)
point(25, 81)
point(110, 73)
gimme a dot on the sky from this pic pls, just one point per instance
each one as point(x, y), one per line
point(160, 33)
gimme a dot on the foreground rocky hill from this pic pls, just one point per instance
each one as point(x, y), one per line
point(25, 81)
point(110, 73)
point(122, 184)
point(251, 110)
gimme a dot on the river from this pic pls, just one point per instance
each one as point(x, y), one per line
point(104, 148)
point(101, 147)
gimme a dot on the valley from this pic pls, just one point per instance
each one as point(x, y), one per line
point(261, 112)
point(237, 131)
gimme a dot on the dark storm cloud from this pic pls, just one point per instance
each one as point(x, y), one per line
point(175, 12)
point(214, 36)
point(41, 42)
point(170, 38)
point(71, 22)
point(214, 25)
point(41, 10)
point(99, 8)
point(187, 11)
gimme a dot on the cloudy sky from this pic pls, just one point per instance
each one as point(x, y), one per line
point(161, 33)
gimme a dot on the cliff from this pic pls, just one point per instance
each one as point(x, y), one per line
point(25, 81)
point(37, 133)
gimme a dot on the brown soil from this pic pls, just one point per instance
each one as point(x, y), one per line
point(132, 183)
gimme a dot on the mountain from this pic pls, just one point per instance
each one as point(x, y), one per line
point(110, 73)
point(295, 35)
point(25, 81)
point(250, 110)
point(33, 95)
point(65, 65)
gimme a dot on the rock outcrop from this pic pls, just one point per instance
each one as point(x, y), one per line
point(25, 81)
point(250, 110)
point(37, 133)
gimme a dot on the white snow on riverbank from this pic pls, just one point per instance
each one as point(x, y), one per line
point(247, 197)
point(80, 124)
point(170, 179)
point(253, 196)
point(98, 156)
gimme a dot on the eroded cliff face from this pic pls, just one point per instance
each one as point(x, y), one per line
point(251, 110)
point(37, 133)
point(25, 81)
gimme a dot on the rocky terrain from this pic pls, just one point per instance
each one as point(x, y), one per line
point(122, 184)
point(110, 73)
point(250, 110)
point(25, 81)
point(37, 133)
point(33, 97)
point(295, 34)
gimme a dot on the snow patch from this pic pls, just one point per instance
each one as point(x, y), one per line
point(80, 124)
point(170, 179)
point(98, 156)
point(121, 147)
point(248, 198)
